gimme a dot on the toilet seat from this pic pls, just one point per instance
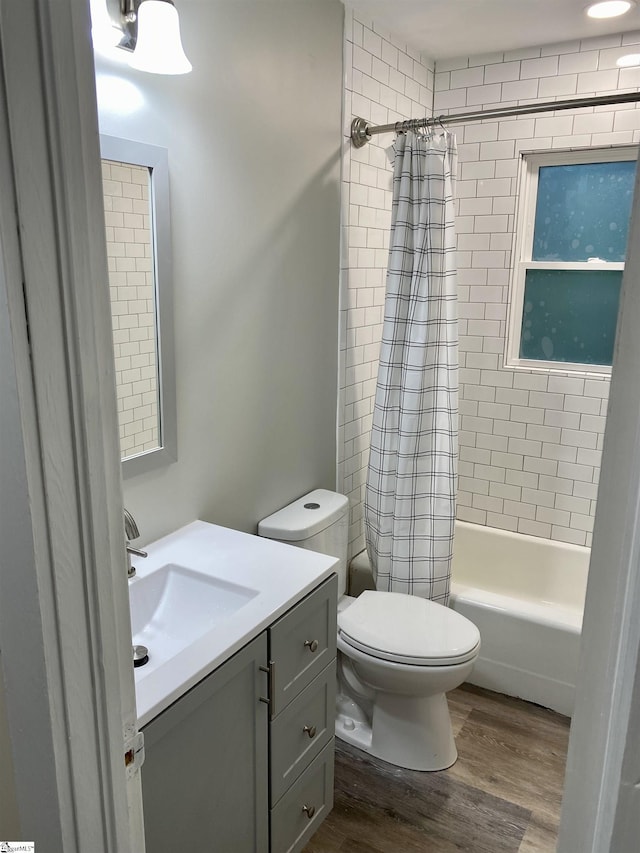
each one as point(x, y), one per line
point(406, 629)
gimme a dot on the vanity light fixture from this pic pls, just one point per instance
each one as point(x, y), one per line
point(629, 60)
point(158, 47)
point(609, 8)
point(147, 30)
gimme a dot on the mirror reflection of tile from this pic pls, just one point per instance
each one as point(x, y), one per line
point(132, 288)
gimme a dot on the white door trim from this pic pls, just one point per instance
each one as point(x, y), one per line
point(64, 619)
point(605, 726)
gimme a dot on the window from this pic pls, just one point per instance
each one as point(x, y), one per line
point(573, 222)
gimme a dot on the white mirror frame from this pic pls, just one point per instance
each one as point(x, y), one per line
point(155, 159)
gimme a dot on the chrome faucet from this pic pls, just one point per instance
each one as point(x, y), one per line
point(131, 532)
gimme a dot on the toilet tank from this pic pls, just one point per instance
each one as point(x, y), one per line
point(318, 521)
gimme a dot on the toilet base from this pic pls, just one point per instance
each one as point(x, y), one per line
point(410, 732)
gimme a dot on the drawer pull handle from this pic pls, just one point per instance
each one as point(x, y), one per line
point(310, 811)
point(310, 730)
point(312, 645)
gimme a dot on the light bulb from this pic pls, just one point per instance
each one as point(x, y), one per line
point(609, 8)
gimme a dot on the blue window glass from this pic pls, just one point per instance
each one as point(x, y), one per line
point(583, 211)
point(570, 315)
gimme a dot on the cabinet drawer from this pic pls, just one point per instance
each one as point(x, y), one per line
point(302, 643)
point(299, 733)
point(304, 806)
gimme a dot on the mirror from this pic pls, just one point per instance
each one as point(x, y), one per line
point(135, 182)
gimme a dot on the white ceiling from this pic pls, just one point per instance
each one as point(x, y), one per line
point(447, 28)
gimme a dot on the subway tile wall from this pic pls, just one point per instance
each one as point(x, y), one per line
point(131, 284)
point(530, 442)
point(385, 81)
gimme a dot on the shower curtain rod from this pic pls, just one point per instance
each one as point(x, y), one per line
point(362, 131)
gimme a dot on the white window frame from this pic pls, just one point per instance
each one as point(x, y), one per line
point(525, 221)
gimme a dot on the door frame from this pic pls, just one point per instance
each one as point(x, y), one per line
point(64, 615)
point(601, 804)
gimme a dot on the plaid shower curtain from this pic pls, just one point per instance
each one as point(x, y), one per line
point(411, 481)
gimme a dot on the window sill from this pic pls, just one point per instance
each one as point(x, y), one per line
point(588, 371)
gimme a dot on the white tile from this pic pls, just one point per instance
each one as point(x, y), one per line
point(584, 405)
point(481, 131)
point(502, 150)
point(560, 125)
point(513, 461)
point(581, 522)
point(526, 447)
point(597, 81)
point(492, 473)
point(538, 497)
point(567, 534)
point(553, 87)
point(534, 528)
point(522, 478)
point(566, 385)
point(477, 95)
point(552, 515)
point(562, 485)
point(570, 503)
point(585, 490)
point(530, 381)
point(522, 53)
point(544, 67)
point(503, 522)
point(492, 442)
point(516, 128)
point(527, 414)
point(542, 467)
point(505, 491)
point(465, 77)
point(521, 90)
point(389, 54)
point(521, 510)
point(452, 64)
point(475, 516)
point(502, 72)
point(560, 452)
point(362, 60)
point(627, 120)
point(578, 63)
point(575, 471)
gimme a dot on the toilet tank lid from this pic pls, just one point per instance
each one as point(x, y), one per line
point(305, 517)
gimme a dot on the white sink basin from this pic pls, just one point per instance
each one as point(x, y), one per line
point(201, 595)
point(174, 606)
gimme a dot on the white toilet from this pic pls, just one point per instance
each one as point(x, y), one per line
point(397, 654)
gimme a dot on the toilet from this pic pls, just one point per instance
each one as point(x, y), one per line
point(398, 654)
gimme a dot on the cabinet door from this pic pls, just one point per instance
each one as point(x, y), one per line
point(303, 643)
point(205, 776)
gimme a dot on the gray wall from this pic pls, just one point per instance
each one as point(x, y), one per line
point(253, 136)
point(9, 823)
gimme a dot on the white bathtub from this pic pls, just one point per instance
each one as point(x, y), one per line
point(526, 595)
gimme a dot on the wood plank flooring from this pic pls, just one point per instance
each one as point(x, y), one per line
point(502, 795)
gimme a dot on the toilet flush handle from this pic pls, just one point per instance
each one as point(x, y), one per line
point(312, 645)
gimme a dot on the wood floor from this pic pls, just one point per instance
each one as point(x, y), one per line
point(501, 796)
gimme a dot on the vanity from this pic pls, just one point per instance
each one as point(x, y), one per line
point(237, 701)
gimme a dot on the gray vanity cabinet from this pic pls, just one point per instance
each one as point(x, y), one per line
point(243, 762)
point(302, 652)
point(205, 776)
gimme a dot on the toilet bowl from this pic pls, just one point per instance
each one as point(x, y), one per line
point(398, 654)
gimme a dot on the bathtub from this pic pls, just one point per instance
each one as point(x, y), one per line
point(526, 595)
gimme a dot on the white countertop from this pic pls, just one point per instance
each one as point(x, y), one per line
point(281, 574)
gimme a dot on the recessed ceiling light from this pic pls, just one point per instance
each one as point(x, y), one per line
point(609, 8)
point(629, 60)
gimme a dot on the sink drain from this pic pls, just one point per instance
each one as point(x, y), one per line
point(140, 655)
